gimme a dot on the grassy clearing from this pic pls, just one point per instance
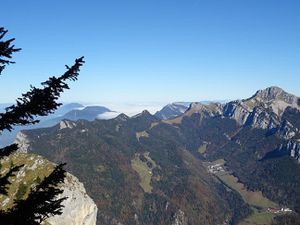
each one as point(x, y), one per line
point(218, 161)
point(34, 170)
point(141, 134)
point(154, 124)
point(144, 169)
point(202, 149)
point(258, 217)
point(255, 199)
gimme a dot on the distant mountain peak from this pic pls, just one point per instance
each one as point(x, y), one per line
point(172, 110)
point(95, 107)
point(274, 93)
point(122, 117)
point(144, 113)
point(211, 109)
point(88, 113)
point(263, 110)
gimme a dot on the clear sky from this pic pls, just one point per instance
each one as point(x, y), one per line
point(154, 50)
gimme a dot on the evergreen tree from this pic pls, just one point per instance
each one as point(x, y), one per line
point(42, 201)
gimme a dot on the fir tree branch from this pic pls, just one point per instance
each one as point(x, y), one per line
point(39, 101)
point(6, 50)
point(6, 151)
point(4, 180)
point(41, 203)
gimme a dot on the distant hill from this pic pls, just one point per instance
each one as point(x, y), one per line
point(71, 111)
point(65, 108)
point(86, 113)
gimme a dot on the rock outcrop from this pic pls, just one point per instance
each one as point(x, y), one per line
point(266, 109)
point(292, 148)
point(22, 141)
point(263, 110)
point(179, 218)
point(79, 207)
point(66, 124)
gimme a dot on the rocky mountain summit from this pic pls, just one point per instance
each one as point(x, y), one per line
point(172, 110)
point(271, 109)
point(264, 109)
point(276, 95)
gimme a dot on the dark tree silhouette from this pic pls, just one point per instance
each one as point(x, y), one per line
point(42, 201)
point(6, 50)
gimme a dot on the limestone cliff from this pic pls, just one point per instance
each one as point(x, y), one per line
point(271, 109)
point(79, 208)
point(22, 141)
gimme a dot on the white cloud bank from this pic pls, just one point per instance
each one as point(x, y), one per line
point(130, 109)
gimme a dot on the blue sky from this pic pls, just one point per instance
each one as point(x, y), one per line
point(155, 50)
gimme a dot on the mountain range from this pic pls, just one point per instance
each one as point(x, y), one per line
point(70, 111)
point(230, 163)
point(176, 109)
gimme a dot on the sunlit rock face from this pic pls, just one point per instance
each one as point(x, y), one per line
point(180, 218)
point(172, 110)
point(22, 141)
point(271, 109)
point(66, 124)
point(263, 110)
point(79, 208)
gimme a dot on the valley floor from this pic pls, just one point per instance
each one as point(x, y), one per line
point(263, 209)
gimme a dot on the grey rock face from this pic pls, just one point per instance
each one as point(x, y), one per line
point(264, 110)
point(276, 93)
point(22, 141)
point(292, 148)
point(179, 218)
point(172, 110)
point(66, 124)
point(79, 208)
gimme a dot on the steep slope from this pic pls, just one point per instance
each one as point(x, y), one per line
point(139, 173)
point(172, 110)
point(264, 109)
point(142, 170)
point(177, 109)
point(79, 208)
point(272, 109)
point(258, 137)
